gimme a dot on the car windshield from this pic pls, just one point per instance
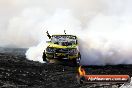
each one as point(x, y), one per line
point(64, 40)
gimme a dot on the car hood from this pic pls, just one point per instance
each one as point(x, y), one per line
point(60, 46)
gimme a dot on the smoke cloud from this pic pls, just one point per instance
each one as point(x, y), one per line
point(103, 27)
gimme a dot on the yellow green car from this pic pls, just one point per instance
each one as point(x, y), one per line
point(63, 48)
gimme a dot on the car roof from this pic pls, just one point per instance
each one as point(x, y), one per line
point(62, 35)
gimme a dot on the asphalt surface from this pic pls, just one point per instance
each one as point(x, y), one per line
point(18, 72)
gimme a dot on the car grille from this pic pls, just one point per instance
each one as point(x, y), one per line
point(62, 50)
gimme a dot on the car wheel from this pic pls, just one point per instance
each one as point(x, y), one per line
point(44, 56)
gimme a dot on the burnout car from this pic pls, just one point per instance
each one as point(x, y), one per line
point(62, 48)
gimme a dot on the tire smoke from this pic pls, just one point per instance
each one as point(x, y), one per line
point(102, 26)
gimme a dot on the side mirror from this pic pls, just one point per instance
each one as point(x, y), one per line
point(48, 41)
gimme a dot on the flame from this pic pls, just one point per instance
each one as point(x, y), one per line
point(81, 71)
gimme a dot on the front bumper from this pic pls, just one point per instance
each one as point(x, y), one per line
point(61, 56)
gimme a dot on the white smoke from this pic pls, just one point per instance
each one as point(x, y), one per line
point(57, 23)
point(110, 42)
point(103, 27)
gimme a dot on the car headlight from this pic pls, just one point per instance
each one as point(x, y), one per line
point(73, 51)
point(50, 49)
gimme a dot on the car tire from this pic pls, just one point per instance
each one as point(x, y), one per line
point(44, 56)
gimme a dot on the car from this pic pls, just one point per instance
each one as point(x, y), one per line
point(62, 48)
